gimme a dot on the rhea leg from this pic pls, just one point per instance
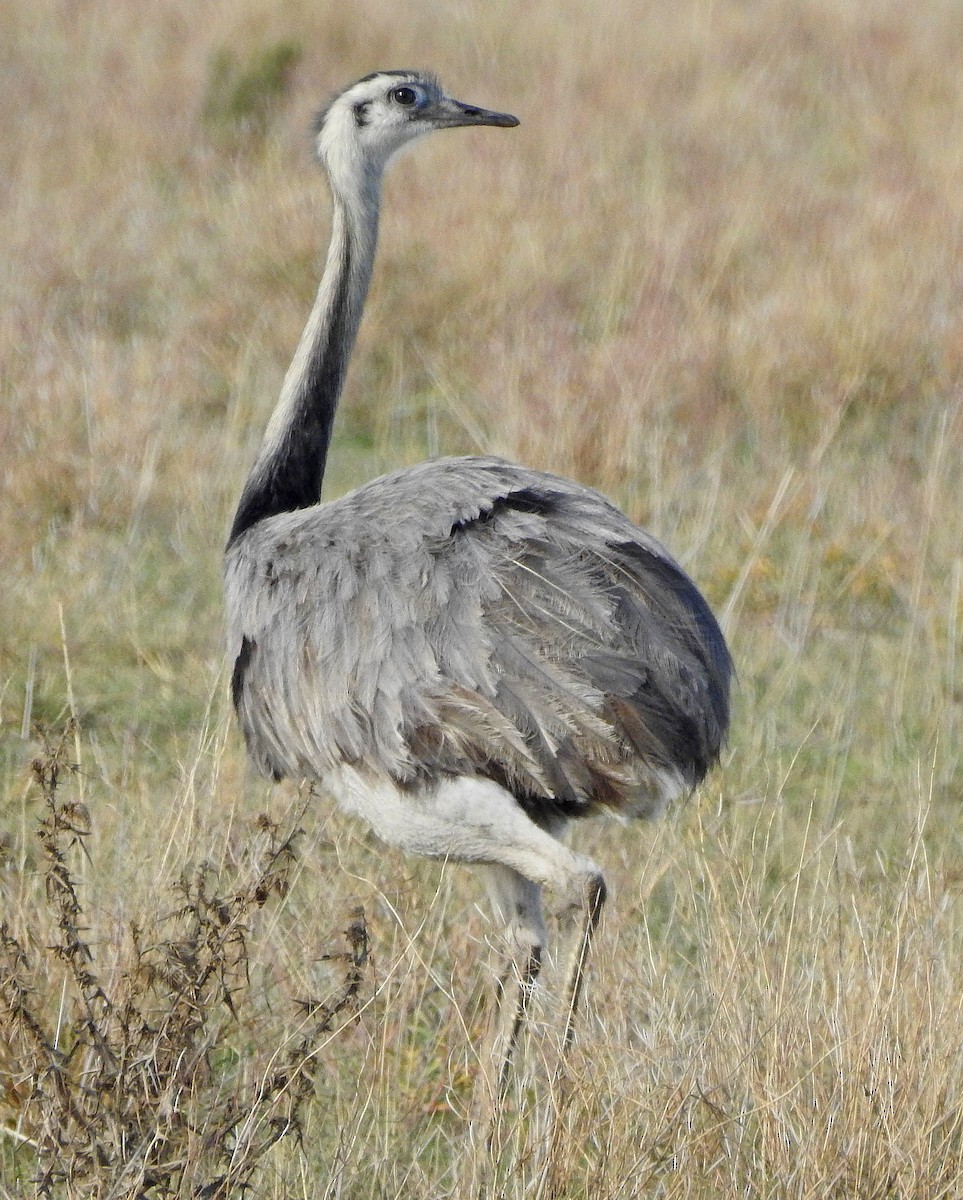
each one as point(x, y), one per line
point(517, 905)
point(593, 900)
point(560, 1082)
point(475, 820)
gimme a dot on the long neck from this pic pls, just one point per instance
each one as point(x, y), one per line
point(289, 466)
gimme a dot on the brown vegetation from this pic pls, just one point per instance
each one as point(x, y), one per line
point(716, 273)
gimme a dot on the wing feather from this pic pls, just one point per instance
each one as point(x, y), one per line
point(467, 615)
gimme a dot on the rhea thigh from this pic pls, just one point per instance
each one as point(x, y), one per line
point(468, 820)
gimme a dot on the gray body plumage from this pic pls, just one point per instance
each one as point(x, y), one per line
point(468, 615)
point(466, 653)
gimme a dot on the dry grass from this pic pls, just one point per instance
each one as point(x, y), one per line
point(715, 272)
point(164, 1073)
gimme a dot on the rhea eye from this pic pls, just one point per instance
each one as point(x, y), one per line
point(404, 95)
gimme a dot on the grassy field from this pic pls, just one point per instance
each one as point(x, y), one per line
point(717, 273)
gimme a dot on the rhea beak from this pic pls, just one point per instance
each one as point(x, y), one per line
point(453, 114)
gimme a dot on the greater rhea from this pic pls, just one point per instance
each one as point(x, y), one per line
point(467, 653)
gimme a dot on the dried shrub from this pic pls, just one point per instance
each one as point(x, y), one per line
point(160, 1078)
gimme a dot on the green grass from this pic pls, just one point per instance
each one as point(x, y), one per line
point(715, 273)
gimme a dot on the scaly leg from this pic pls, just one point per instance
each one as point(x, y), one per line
point(476, 820)
point(518, 907)
point(593, 902)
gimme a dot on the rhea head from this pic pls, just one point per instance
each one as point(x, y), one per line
point(368, 122)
